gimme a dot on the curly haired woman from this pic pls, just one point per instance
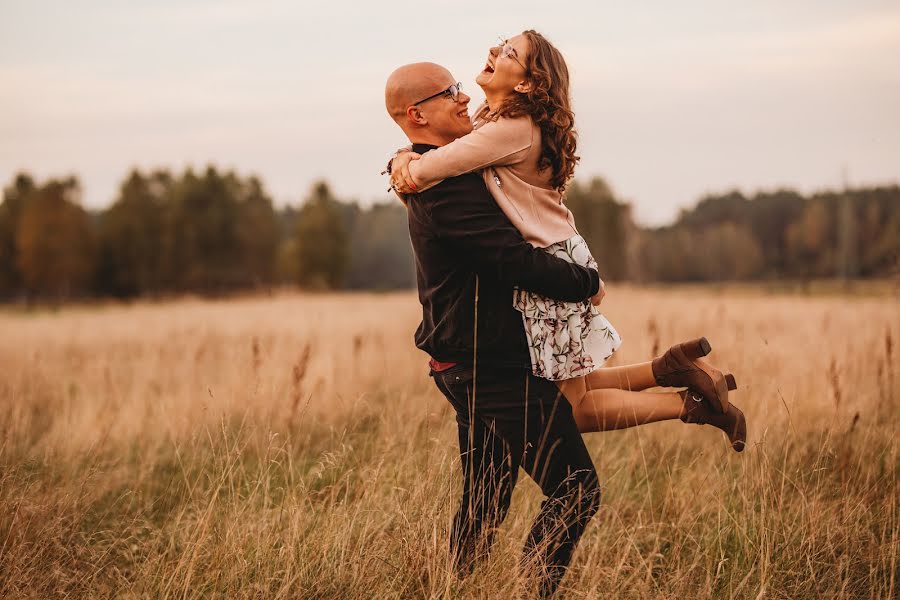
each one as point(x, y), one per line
point(524, 143)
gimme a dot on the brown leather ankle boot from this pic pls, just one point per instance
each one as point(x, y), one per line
point(679, 367)
point(732, 422)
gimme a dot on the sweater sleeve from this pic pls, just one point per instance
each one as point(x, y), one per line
point(501, 142)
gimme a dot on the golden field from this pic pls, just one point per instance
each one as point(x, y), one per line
point(293, 446)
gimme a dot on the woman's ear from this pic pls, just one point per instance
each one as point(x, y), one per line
point(524, 86)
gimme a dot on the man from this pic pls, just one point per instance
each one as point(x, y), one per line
point(468, 258)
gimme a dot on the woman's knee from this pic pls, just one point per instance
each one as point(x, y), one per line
point(585, 422)
point(573, 390)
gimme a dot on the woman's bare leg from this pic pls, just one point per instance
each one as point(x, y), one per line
point(573, 389)
point(608, 409)
point(611, 398)
point(635, 377)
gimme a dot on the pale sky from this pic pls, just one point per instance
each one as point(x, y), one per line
point(672, 99)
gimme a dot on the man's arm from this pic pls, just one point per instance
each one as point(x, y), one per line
point(464, 213)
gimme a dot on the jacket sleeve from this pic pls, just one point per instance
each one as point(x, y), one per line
point(501, 142)
point(488, 241)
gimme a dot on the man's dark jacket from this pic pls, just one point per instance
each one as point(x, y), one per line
point(458, 232)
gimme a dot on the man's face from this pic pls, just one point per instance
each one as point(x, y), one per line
point(445, 117)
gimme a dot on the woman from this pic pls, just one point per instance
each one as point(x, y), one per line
point(524, 144)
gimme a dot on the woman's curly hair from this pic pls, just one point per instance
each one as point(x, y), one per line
point(547, 103)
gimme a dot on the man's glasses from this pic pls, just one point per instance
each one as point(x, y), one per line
point(451, 92)
point(508, 51)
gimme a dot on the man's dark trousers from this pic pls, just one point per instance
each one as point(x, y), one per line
point(508, 418)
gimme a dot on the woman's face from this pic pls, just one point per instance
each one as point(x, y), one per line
point(505, 68)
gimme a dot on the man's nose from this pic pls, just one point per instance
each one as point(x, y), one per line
point(463, 98)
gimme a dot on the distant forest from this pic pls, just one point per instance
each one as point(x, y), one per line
point(217, 232)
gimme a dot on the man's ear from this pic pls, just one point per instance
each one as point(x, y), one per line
point(415, 116)
point(524, 86)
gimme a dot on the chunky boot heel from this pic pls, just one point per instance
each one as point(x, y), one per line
point(694, 349)
point(729, 379)
point(680, 367)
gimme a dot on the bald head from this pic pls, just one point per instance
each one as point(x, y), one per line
point(438, 118)
point(410, 83)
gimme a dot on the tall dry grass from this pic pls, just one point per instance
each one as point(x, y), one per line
point(294, 447)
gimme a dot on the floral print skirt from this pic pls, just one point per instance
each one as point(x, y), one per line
point(566, 339)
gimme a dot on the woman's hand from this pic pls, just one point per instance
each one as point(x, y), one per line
point(597, 298)
point(400, 176)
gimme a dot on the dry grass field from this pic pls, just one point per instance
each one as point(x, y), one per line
point(294, 447)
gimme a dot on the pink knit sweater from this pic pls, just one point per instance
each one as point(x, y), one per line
point(506, 151)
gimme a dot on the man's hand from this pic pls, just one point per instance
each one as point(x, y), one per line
point(400, 178)
point(597, 298)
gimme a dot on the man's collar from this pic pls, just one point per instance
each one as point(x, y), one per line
point(422, 148)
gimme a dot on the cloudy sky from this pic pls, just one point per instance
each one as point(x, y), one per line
point(672, 100)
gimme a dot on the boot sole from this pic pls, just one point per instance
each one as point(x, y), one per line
point(738, 438)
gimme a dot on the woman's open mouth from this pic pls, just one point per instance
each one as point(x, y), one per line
point(488, 68)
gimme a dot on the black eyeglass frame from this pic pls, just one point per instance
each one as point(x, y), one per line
point(450, 90)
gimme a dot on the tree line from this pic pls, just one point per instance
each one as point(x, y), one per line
point(216, 232)
point(852, 233)
point(211, 233)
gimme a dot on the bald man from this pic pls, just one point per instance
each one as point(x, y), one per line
point(468, 259)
